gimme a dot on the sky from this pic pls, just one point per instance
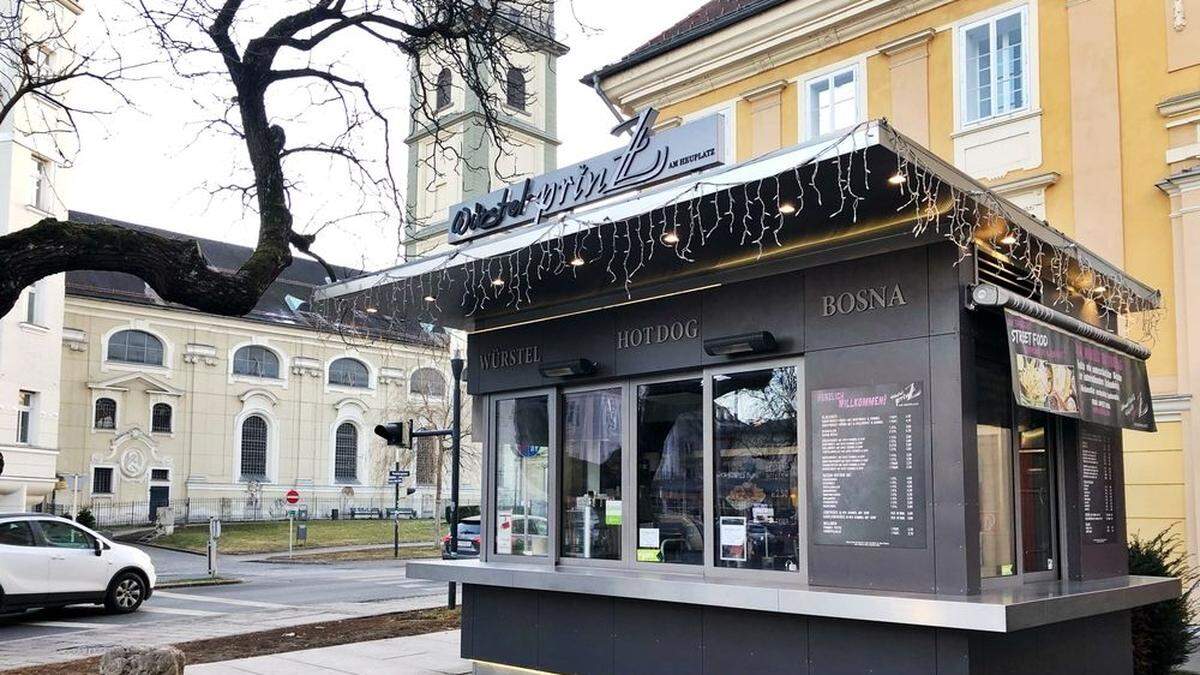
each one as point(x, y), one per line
point(152, 164)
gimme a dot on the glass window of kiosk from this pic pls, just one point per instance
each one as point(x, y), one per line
point(591, 474)
point(521, 429)
point(1017, 484)
point(670, 472)
point(756, 469)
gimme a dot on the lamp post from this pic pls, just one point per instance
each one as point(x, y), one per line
point(456, 369)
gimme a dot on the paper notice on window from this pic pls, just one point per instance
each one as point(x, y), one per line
point(733, 538)
point(763, 513)
point(612, 512)
point(504, 532)
point(647, 537)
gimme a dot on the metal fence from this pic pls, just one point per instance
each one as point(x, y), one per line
point(241, 509)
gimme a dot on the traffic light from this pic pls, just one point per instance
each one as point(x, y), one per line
point(395, 433)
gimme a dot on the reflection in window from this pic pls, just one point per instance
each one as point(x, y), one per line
point(160, 418)
point(1037, 513)
point(64, 535)
point(996, 536)
point(349, 373)
point(757, 470)
point(591, 475)
point(105, 414)
point(670, 472)
point(832, 102)
point(256, 361)
point(522, 476)
point(254, 448)
point(994, 67)
point(135, 346)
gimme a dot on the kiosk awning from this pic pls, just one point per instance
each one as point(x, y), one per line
point(722, 224)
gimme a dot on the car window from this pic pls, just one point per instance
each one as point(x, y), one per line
point(16, 533)
point(65, 535)
point(468, 528)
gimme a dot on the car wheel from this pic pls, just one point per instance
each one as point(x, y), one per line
point(125, 594)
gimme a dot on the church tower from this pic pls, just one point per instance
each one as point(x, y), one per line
point(469, 164)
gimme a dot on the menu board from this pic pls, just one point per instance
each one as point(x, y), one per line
point(869, 466)
point(1060, 373)
point(1098, 483)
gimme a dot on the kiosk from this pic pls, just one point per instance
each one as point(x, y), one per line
point(839, 409)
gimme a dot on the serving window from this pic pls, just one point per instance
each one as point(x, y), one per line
point(693, 473)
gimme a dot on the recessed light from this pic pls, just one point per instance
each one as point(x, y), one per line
point(1009, 239)
point(670, 237)
point(497, 281)
point(430, 298)
point(787, 209)
point(1100, 289)
point(372, 310)
point(897, 178)
point(577, 262)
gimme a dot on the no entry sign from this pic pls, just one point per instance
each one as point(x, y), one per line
point(292, 496)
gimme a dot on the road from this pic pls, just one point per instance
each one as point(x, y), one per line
point(271, 596)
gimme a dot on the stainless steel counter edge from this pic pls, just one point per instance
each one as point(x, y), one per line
point(1000, 610)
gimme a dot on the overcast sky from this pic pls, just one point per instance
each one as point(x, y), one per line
point(142, 166)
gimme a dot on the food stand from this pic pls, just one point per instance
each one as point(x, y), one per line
point(836, 409)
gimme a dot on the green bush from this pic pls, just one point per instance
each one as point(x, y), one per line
point(1163, 633)
point(85, 518)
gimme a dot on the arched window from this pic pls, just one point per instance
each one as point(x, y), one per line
point(349, 373)
point(427, 382)
point(106, 414)
point(345, 453)
point(254, 448)
point(135, 346)
point(160, 418)
point(256, 361)
point(444, 81)
point(515, 88)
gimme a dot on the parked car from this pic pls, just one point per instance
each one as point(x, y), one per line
point(468, 538)
point(47, 561)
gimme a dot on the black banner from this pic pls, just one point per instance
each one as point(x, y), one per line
point(1067, 375)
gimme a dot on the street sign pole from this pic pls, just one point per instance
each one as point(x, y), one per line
point(456, 368)
point(396, 516)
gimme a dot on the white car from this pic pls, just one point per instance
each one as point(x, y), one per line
point(47, 561)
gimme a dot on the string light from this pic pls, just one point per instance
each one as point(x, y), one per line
point(830, 185)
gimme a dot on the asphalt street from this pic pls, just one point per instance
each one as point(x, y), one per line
point(277, 594)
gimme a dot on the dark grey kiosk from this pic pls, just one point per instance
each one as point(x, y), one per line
point(839, 409)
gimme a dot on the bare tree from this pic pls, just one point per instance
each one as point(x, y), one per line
point(271, 63)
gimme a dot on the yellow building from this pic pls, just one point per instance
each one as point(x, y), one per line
point(1084, 112)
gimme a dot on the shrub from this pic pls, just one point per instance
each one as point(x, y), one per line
point(1163, 635)
point(85, 518)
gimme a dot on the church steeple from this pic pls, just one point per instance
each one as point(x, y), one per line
point(469, 163)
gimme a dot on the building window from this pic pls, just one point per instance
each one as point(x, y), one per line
point(670, 472)
point(445, 81)
point(345, 453)
point(135, 346)
point(349, 373)
point(1017, 536)
point(514, 89)
point(522, 436)
point(254, 448)
point(102, 480)
point(42, 197)
point(256, 361)
point(591, 475)
point(31, 305)
point(106, 414)
point(427, 382)
point(833, 102)
point(25, 405)
point(160, 418)
point(160, 474)
point(994, 66)
point(756, 478)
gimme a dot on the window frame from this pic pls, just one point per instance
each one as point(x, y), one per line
point(1029, 64)
point(165, 351)
point(432, 397)
point(26, 431)
point(521, 106)
point(115, 416)
point(856, 65)
point(488, 520)
point(170, 430)
point(233, 360)
point(358, 435)
point(242, 476)
point(339, 386)
point(33, 309)
point(112, 480)
point(41, 197)
point(438, 104)
point(629, 488)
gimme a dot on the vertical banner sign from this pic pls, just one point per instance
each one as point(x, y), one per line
point(1098, 483)
point(869, 466)
point(1071, 376)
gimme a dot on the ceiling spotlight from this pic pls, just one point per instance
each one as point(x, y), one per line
point(787, 209)
point(372, 310)
point(577, 262)
point(897, 178)
point(497, 281)
point(670, 237)
point(1100, 289)
point(430, 298)
point(1009, 239)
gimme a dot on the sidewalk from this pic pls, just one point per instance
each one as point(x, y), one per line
point(430, 654)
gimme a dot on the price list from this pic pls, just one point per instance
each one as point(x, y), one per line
point(1097, 446)
point(868, 466)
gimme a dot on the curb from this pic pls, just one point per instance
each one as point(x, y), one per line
point(192, 583)
point(286, 561)
point(176, 549)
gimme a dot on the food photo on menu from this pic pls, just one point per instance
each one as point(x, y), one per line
point(1046, 385)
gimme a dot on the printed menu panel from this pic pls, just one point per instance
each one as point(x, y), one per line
point(868, 486)
point(1098, 483)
